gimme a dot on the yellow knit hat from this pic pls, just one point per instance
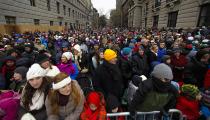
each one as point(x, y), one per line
point(109, 54)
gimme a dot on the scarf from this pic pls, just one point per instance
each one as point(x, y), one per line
point(37, 101)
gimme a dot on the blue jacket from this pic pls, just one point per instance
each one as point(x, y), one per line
point(74, 76)
point(161, 53)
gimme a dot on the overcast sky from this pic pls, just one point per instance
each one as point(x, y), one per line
point(104, 6)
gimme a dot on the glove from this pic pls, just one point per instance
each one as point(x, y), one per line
point(28, 116)
point(85, 70)
point(143, 77)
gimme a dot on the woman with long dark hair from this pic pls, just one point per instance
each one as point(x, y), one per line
point(34, 94)
point(65, 101)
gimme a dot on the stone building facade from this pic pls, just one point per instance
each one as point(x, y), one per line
point(165, 13)
point(44, 15)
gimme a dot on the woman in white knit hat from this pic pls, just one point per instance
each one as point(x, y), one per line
point(34, 94)
point(66, 100)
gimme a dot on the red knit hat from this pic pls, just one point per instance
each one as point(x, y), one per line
point(94, 98)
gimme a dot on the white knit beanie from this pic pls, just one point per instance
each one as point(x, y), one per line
point(35, 71)
point(77, 47)
point(68, 55)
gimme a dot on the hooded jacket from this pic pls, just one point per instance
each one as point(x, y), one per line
point(162, 95)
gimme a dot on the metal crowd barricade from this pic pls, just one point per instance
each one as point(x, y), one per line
point(144, 115)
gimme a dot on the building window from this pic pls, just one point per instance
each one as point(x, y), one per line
point(60, 23)
point(58, 7)
point(157, 3)
point(147, 6)
point(204, 19)
point(32, 2)
point(145, 20)
point(155, 21)
point(69, 12)
point(51, 23)
point(73, 13)
point(36, 21)
point(64, 9)
point(10, 20)
point(66, 23)
point(172, 19)
point(48, 5)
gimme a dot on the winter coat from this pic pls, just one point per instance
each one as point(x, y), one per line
point(151, 57)
point(207, 79)
point(69, 68)
point(109, 81)
point(194, 72)
point(140, 65)
point(178, 66)
point(161, 53)
point(7, 73)
point(9, 104)
point(190, 108)
point(205, 111)
point(154, 95)
point(17, 86)
point(69, 111)
point(133, 87)
point(2, 82)
point(126, 69)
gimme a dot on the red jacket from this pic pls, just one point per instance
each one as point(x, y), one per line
point(178, 66)
point(188, 108)
point(207, 79)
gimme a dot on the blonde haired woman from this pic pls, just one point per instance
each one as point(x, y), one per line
point(66, 100)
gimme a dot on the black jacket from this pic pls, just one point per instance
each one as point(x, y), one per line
point(140, 65)
point(126, 70)
point(194, 72)
point(165, 94)
point(108, 79)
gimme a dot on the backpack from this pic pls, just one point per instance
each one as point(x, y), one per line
point(9, 105)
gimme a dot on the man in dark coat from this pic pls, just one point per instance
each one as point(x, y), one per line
point(157, 93)
point(196, 69)
point(139, 63)
point(108, 78)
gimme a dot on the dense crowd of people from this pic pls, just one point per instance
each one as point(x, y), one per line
point(78, 75)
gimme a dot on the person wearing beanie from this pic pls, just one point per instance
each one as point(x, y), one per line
point(108, 78)
point(94, 108)
point(67, 66)
point(188, 101)
point(81, 60)
point(195, 70)
point(139, 63)
point(178, 62)
point(157, 90)
point(44, 61)
point(34, 93)
point(65, 100)
point(29, 51)
point(126, 64)
point(19, 79)
point(166, 59)
point(7, 70)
